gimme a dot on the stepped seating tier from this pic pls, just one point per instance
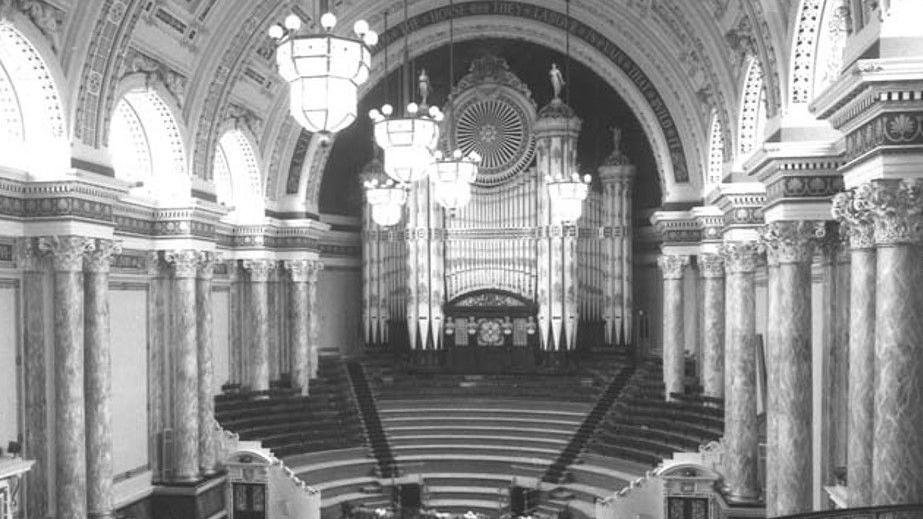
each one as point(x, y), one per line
point(288, 423)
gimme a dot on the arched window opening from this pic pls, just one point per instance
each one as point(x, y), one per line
point(715, 154)
point(147, 148)
point(752, 110)
point(32, 130)
point(237, 178)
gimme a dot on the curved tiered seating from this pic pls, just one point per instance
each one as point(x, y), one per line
point(288, 423)
point(645, 428)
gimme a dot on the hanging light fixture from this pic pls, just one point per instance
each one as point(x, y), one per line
point(409, 140)
point(453, 177)
point(324, 71)
point(567, 195)
point(387, 201)
point(454, 174)
point(567, 191)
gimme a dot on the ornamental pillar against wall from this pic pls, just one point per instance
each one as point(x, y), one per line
point(712, 376)
point(674, 359)
point(303, 275)
point(556, 131)
point(98, 378)
point(617, 177)
point(855, 215)
point(185, 382)
point(258, 318)
point(208, 447)
point(66, 254)
point(791, 244)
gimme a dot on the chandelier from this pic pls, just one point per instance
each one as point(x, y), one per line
point(324, 71)
point(408, 142)
point(567, 195)
point(387, 201)
point(453, 177)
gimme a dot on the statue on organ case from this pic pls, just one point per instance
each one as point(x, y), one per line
point(557, 80)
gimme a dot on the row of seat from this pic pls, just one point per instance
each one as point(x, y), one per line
point(288, 423)
point(643, 427)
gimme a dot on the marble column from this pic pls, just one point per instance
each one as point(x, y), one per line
point(34, 372)
point(314, 317)
point(712, 268)
point(772, 365)
point(740, 425)
point(259, 321)
point(98, 379)
point(791, 245)
point(299, 273)
point(208, 447)
point(185, 466)
point(855, 215)
point(674, 359)
point(897, 461)
point(69, 411)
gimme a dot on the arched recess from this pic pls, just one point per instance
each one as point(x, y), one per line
point(238, 183)
point(715, 171)
point(146, 143)
point(665, 149)
point(821, 29)
point(752, 120)
point(33, 130)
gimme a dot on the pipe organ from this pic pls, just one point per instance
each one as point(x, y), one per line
point(501, 263)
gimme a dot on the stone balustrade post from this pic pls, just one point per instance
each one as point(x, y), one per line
point(674, 361)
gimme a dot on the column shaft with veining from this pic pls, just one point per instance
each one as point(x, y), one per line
point(258, 310)
point(740, 424)
point(185, 367)
point(208, 448)
point(98, 379)
point(791, 244)
point(712, 267)
point(672, 268)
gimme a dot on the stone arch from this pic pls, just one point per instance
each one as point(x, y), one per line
point(668, 149)
point(716, 153)
point(835, 26)
point(33, 138)
point(148, 145)
point(752, 118)
point(821, 28)
point(237, 178)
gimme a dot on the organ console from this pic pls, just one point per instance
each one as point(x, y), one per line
point(502, 257)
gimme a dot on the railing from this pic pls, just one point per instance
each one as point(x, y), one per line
point(640, 496)
point(873, 512)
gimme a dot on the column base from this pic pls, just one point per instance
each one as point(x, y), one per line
point(196, 500)
point(737, 498)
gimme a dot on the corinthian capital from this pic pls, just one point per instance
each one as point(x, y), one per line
point(854, 212)
point(792, 241)
point(711, 265)
point(897, 206)
point(99, 258)
point(205, 267)
point(66, 252)
point(742, 257)
point(28, 255)
point(300, 270)
point(185, 262)
point(672, 266)
point(259, 268)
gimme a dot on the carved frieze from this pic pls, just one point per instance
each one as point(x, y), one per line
point(156, 71)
